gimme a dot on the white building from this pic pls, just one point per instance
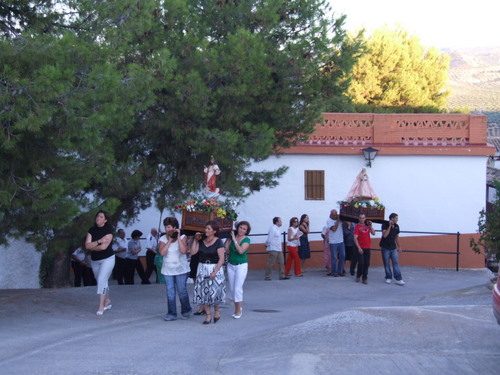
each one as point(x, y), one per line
point(430, 169)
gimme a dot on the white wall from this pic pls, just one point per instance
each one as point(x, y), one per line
point(429, 193)
point(19, 266)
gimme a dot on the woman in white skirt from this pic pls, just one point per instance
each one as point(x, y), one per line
point(210, 284)
point(98, 241)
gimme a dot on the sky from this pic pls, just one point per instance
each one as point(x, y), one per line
point(438, 23)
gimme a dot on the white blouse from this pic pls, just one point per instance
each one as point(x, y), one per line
point(174, 262)
point(293, 243)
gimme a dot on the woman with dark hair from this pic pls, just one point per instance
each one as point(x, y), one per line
point(98, 241)
point(292, 244)
point(237, 267)
point(304, 248)
point(210, 285)
point(175, 268)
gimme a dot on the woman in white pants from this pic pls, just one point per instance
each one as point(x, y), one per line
point(237, 267)
point(98, 241)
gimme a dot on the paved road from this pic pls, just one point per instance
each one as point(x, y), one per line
point(441, 322)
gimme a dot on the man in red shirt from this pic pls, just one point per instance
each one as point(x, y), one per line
point(362, 241)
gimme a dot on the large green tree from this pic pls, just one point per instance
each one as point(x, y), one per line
point(397, 73)
point(124, 103)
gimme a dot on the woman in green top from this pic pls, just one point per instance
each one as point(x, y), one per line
point(237, 267)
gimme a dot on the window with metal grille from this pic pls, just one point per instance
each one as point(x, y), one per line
point(314, 185)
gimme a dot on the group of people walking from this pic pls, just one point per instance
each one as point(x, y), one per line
point(297, 245)
point(209, 251)
point(343, 240)
point(207, 248)
point(346, 241)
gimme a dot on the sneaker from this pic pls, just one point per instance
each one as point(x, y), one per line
point(267, 279)
point(169, 318)
point(400, 282)
point(388, 281)
point(358, 279)
point(285, 278)
point(365, 281)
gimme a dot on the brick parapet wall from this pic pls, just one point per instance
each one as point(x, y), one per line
point(398, 134)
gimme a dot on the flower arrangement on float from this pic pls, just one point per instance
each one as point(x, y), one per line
point(224, 209)
point(360, 202)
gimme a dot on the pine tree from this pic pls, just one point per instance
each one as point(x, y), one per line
point(121, 108)
point(398, 74)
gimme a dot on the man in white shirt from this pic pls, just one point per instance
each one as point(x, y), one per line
point(274, 248)
point(151, 251)
point(336, 241)
point(120, 249)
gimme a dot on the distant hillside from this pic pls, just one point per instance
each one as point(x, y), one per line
point(475, 79)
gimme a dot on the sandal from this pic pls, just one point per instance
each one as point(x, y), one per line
point(216, 318)
point(209, 319)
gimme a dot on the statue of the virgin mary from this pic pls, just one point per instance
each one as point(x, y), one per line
point(361, 188)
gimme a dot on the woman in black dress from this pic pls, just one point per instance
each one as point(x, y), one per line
point(304, 249)
point(210, 283)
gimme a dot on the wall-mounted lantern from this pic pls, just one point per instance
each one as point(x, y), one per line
point(369, 154)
